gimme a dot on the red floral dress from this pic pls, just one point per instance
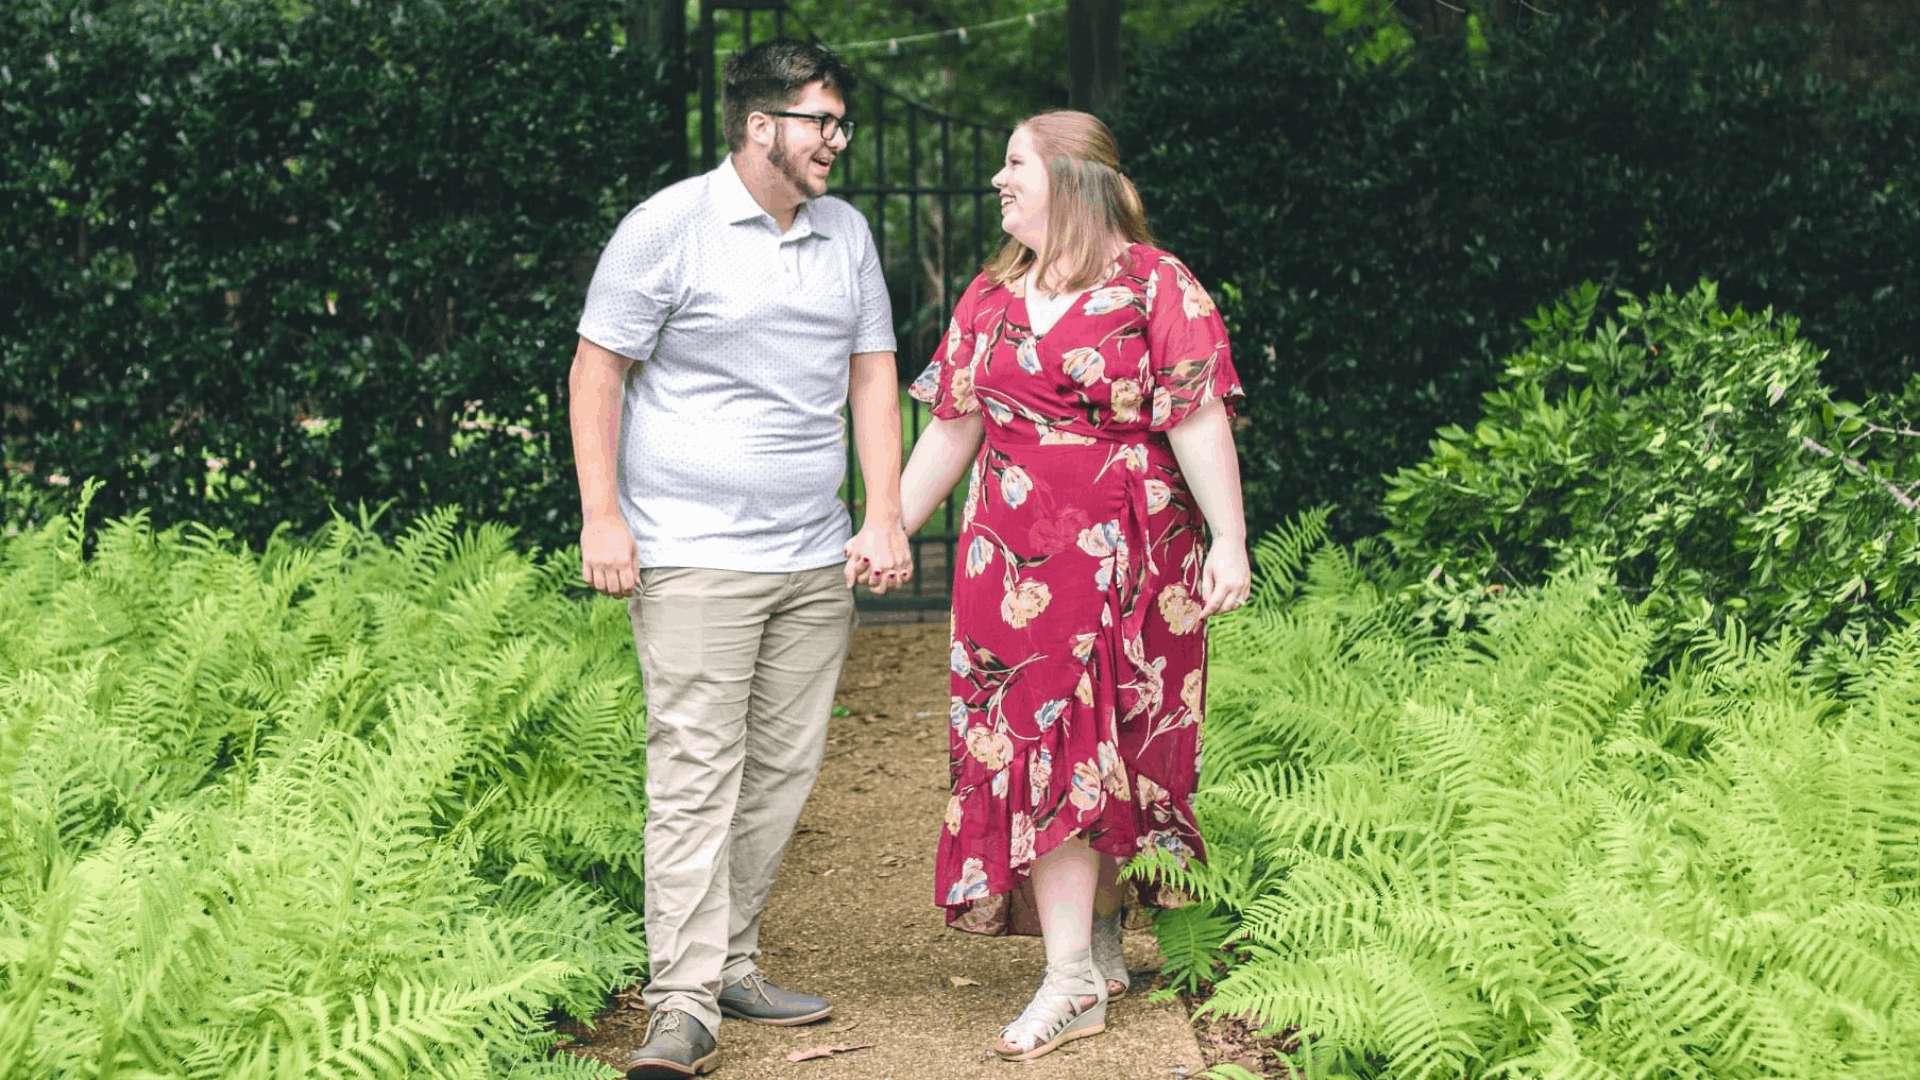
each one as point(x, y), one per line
point(1078, 654)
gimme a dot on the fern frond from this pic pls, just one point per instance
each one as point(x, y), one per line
point(1190, 941)
point(1281, 555)
point(1227, 1070)
point(1558, 1056)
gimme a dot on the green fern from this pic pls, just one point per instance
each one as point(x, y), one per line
point(1514, 851)
point(1190, 939)
point(260, 815)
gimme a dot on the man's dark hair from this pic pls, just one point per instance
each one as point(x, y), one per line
point(770, 76)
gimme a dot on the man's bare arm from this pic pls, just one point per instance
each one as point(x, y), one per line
point(878, 553)
point(594, 391)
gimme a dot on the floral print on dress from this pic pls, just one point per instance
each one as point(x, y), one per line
point(1181, 609)
point(1023, 603)
point(1083, 365)
point(970, 885)
point(1078, 654)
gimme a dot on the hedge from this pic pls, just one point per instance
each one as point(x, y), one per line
point(258, 265)
point(1378, 236)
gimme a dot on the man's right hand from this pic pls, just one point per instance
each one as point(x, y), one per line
point(607, 558)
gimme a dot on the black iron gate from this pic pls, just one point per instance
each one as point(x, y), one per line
point(920, 175)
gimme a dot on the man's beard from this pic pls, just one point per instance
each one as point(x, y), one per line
point(795, 173)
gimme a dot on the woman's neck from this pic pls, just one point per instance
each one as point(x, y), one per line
point(1046, 279)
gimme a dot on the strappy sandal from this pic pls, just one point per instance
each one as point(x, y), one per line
point(1058, 1013)
point(1108, 957)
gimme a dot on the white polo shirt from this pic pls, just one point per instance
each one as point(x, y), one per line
point(732, 443)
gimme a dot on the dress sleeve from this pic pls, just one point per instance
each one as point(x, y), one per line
point(1190, 359)
point(947, 383)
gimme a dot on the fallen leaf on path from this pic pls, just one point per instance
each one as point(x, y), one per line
point(959, 981)
point(826, 1051)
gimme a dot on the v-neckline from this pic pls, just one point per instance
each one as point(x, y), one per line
point(1116, 268)
point(1033, 318)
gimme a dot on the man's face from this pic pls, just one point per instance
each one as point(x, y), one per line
point(798, 153)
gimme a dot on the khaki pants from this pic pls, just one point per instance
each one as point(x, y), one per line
point(740, 670)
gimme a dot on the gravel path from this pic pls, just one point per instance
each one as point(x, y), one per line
point(853, 918)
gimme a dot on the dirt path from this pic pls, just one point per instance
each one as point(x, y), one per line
point(853, 918)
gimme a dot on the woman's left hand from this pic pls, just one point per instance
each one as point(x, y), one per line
point(1225, 579)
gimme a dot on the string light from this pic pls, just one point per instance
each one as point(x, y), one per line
point(960, 33)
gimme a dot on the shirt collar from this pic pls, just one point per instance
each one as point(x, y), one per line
point(736, 203)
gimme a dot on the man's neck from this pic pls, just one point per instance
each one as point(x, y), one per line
point(770, 190)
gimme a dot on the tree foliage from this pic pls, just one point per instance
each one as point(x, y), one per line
point(1002, 74)
point(258, 264)
point(342, 809)
point(1377, 235)
point(1698, 457)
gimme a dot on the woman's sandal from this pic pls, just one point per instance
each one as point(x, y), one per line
point(1108, 956)
point(1059, 1013)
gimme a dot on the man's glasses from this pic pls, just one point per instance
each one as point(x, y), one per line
point(830, 125)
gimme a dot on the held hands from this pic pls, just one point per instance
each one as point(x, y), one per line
point(1225, 579)
point(607, 557)
point(879, 556)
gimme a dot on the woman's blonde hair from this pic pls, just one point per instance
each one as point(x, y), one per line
point(1089, 202)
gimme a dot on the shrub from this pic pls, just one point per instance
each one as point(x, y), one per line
point(1377, 236)
point(1698, 456)
point(1510, 851)
point(256, 265)
point(337, 809)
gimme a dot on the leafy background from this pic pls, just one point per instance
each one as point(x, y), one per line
point(1379, 234)
point(263, 266)
point(1571, 734)
point(258, 267)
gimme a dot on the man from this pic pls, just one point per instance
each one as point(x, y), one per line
point(730, 318)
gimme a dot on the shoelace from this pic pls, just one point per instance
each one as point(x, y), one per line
point(665, 1023)
point(756, 983)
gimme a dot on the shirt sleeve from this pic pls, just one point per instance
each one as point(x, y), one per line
point(946, 386)
point(875, 331)
point(636, 286)
point(1190, 359)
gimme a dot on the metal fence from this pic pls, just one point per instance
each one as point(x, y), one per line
point(920, 175)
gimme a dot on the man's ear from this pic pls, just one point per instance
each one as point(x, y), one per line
point(760, 130)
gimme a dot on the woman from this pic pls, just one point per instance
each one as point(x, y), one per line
point(1084, 377)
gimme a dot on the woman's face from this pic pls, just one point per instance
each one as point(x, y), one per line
point(1023, 191)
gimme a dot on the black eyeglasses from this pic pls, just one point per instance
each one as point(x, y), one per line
point(830, 125)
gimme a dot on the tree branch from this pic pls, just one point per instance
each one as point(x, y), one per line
point(1898, 496)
